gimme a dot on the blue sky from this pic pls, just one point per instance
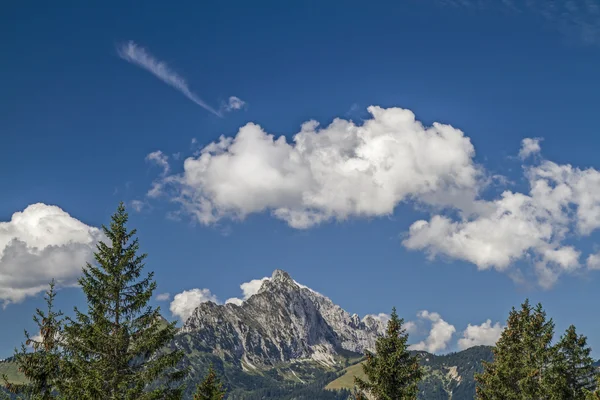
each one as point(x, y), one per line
point(81, 114)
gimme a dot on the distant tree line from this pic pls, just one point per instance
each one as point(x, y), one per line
point(526, 364)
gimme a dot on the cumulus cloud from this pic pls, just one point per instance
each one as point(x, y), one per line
point(234, 103)
point(439, 336)
point(345, 170)
point(137, 55)
point(562, 201)
point(485, 334)
point(593, 261)
point(163, 297)
point(39, 244)
point(248, 289)
point(333, 173)
point(184, 303)
point(529, 146)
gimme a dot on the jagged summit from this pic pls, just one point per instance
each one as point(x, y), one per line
point(280, 275)
point(283, 321)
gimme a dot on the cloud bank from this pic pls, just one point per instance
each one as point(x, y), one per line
point(563, 201)
point(39, 244)
point(137, 55)
point(345, 170)
point(333, 173)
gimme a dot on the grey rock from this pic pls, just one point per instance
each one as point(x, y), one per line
point(283, 322)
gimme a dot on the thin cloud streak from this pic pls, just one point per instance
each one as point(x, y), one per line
point(579, 19)
point(137, 55)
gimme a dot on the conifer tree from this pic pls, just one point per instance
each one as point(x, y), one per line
point(573, 366)
point(522, 356)
point(41, 366)
point(211, 387)
point(391, 373)
point(115, 350)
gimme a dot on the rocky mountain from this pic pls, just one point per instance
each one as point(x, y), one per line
point(289, 342)
point(283, 322)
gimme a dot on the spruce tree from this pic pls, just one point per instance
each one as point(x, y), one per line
point(115, 350)
point(522, 359)
point(42, 365)
point(391, 372)
point(573, 367)
point(211, 387)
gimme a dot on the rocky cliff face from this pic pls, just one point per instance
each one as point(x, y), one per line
point(283, 322)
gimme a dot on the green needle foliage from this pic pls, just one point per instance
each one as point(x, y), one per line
point(114, 351)
point(42, 366)
point(573, 366)
point(521, 358)
point(211, 387)
point(392, 373)
point(527, 366)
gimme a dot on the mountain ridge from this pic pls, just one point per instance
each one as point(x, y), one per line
point(282, 322)
point(287, 341)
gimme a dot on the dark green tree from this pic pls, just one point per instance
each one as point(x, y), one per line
point(391, 372)
point(116, 349)
point(522, 358)
point(211, 387)
point(41, 365)
point(574, 372)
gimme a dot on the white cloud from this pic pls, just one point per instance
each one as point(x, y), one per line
point(341, 171)
point(529, 146)
point(383, 318)
point(248, 289)
point(138, 205)
point(593, 261)
point(234, 103)
point(36, 339)
point(562, 202)
point(39, 244)
point(477, 335)
point(579, 19)
point(411, 327)
point(160, 159)
point(346, 171)
point(234, 300)
point(163, 297)
point(184, 303)
point(439, 336)
point(137, 55)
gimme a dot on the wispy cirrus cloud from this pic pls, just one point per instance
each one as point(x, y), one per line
point(574, 18)
point(133, 53)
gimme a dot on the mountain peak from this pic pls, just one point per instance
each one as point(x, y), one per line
point(281, 276)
